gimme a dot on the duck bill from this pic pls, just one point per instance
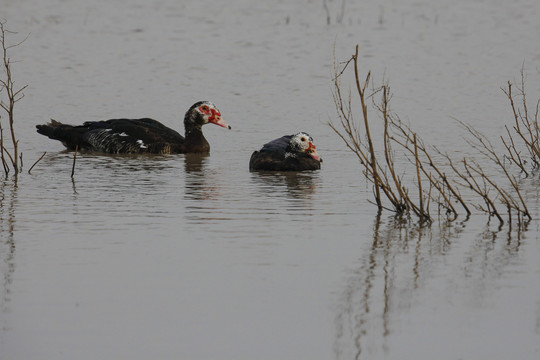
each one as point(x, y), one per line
point(218, 120)
point(312, 151)
point(316, 156)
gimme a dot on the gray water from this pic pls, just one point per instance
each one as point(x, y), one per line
point(193, 257)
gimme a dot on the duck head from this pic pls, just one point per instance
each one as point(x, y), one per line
point(202, 113)
point(302, 143)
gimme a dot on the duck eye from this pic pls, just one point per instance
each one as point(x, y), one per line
point(204, 108)
point(303, 139)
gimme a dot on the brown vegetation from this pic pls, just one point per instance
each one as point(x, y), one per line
point(12, 95)
point(445, 182)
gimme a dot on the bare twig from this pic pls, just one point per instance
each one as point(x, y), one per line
point(38, 160)
point(430, 176)
point(404, 137)
point(74, 160)
point(419, 178)
point(526, 126)
point(383, 176)
point(13, 95)
point(3, 158)
point(483, 145)
point(512, 153)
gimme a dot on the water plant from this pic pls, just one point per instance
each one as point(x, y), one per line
point(10, 96)
point(436, 177)
point(525, 128)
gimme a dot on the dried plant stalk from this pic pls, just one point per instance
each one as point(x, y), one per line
point(382, 175)
point(8, 85)
point(74, 160)
point(525, 127)
point(483, 145)
point(35, 163)
point(430, 177)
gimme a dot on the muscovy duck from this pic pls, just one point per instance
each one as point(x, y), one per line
point(137, 136)
point(288, 153)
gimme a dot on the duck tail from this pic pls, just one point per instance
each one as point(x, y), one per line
point(67, 134)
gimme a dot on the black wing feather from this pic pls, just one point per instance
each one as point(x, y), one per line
point(272, 157)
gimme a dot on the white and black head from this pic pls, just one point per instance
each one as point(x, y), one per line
point(204, 112)
point(302, 143)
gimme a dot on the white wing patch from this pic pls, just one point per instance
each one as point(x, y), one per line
point(107, 140)
point(141, 144)
point(289, 154)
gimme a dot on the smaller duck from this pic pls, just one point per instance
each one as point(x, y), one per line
point(288, 153)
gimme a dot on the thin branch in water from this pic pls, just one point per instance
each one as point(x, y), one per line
point(13, 96)
point(418, 177)
point(38, 160)
point(430, 176)
point(74, 160)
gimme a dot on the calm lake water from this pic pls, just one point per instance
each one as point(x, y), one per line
point(194, 257)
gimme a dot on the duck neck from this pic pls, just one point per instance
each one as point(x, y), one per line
point(195, 140)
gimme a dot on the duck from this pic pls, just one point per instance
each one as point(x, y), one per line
point(295, 152)
point(138, 136)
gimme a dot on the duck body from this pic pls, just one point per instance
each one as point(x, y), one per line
point(287, 153)
point(137, 136)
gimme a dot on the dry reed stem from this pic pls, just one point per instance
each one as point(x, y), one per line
point(38, 160)
point(4, 163)
point(430, 178)
point(484, 146)
point(383, 175)
point(480, 189)
point(512, 153)
point(418, 177)
point(525, 126)
point(13, 96)
point(404, 137)
point(361, 92)
point(74, 160)
point(402, 203)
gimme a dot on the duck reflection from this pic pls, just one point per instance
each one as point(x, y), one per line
point(202, 190)
point(106, 164)
point(194, 163)
point(297, 185)
point(199, 183)
point(398, 266)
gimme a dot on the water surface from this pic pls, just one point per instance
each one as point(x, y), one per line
point(193, 256)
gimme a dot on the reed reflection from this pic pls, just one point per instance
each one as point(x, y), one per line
point(401, 260)
point(8, 200)
point(488, 256)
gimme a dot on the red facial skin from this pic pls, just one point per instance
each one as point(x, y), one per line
point(312, 151)
point(214, 116)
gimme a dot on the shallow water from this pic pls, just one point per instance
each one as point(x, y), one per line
point(194, 257)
